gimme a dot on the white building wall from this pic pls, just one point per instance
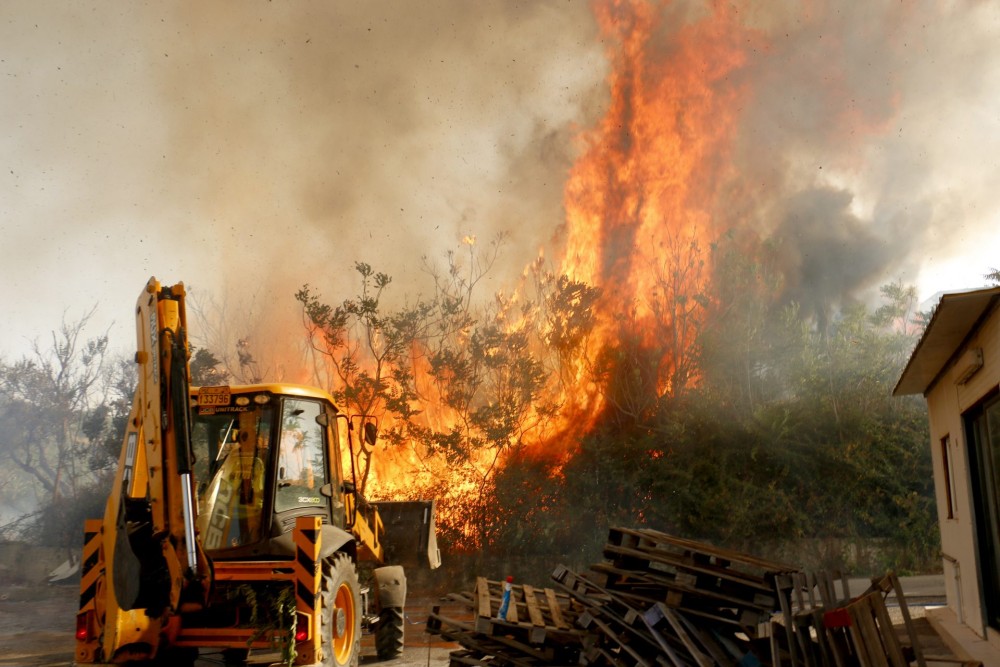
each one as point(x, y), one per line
point(946, 402)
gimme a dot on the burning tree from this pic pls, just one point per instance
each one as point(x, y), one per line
point(456, 388)
point(664, 370)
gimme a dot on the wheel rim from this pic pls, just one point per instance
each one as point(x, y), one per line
point(343, 612)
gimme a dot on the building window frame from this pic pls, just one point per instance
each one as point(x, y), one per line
point(948, 470)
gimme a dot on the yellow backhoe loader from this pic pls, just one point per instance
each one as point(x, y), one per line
point(234, 524)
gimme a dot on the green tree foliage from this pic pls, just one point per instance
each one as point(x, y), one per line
point(790, 434)
point(104, 425)
point(206, 368)
point(567, 320)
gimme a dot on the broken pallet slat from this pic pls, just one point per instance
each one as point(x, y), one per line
point(511, 614)
point(466, 659)
point(681, 632)
point(531, 641)
point(651, 619)
point(490, 596)
point(514, 651)
point(638, 659)
point(724, 649)
point(911, 630)
point(889, 640)
point(613, 617)
point(865, 634)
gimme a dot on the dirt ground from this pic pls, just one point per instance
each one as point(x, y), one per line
point(37, 623)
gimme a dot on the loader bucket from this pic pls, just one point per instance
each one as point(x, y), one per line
point(410, 536)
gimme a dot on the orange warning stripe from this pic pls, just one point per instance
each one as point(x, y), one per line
point(307, 579)
point(90, 574)
point(89, 570)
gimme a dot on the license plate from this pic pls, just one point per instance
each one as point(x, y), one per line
point(213, 396)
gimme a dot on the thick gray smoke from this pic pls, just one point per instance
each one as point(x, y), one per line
point(870, 145)
point(248, 149)
point(827, 253)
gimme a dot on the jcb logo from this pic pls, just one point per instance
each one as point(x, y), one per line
point(218, 526)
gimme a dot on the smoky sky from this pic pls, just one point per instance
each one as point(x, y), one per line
point(869, 149)
point(248, 149)
point(826, 252)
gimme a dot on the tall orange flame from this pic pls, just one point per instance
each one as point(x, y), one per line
point(639, 202)
point(639, 223)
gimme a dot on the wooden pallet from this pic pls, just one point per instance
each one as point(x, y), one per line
point(641, 632)
point(659, 600)
point(537, 629)
point(860, 631)
point(535, 612)
point(742, 578)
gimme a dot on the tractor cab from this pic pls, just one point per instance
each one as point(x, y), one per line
point(264, 456)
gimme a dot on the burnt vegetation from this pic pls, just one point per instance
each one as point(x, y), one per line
point(772, 435)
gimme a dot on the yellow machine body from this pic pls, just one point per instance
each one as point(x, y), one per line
point(224, 490)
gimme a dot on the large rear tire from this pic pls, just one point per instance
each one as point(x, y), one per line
point(389, 634)
point(340, 622)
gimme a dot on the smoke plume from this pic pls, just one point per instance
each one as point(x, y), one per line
point(249, 150)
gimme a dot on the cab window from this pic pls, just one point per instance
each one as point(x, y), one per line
point(301, 457)
point(231, 451)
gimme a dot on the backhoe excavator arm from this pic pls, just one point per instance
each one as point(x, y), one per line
point(150, 562)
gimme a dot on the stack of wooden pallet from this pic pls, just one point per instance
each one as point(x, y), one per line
point(657, 599)
point(660, 599)
point(536, 627)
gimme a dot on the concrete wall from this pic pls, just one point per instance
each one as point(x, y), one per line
point(947, 400)
point(22, 563)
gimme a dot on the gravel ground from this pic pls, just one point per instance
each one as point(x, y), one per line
point(36, 625)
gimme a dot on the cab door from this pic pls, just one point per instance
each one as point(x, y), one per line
point(302, 461)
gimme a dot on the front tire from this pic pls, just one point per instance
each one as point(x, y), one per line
point(389, 634)
point(340, 623)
